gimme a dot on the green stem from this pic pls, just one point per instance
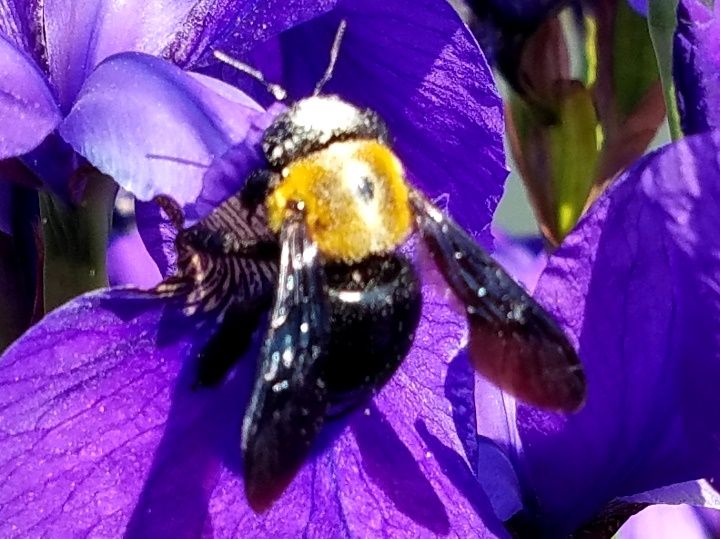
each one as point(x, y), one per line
point(75, 240)
point(662, 20)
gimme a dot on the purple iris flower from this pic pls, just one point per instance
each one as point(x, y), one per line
point(100, 431)
point(48, 49)
point(636, 286)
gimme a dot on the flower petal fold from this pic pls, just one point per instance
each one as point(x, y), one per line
point(637, 285)
point(418, 66)
point(101, 28)
point(27, 106)
point(101, 433)
point(156, 129)
point(696, 66)
point(158, 235)
point(16, 21)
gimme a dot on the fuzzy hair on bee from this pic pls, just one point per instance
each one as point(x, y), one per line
point(314, 238)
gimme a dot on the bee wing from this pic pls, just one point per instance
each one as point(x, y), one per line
point(513, 341)
point(226, 267)
point(289, 401)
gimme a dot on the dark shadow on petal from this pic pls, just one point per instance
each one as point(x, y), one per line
point(456, 469)
point(392, 467)
point(201, 437)
point(460, 391)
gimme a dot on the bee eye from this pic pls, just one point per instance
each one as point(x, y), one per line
point(366, 189)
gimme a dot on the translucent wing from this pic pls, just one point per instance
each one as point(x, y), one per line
point(513, 341)
point(289, 401)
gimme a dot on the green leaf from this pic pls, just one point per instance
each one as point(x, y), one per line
point(574, 142)
point(662, 20)
point(75, 239)
point(635, 67)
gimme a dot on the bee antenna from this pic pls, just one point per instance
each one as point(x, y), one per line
point(277, 91)
point(333, 57)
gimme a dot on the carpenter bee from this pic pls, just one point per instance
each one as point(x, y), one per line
point(314, 238)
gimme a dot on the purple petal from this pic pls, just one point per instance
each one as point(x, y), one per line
point(129, 263)
point(235, 27)
point(416, 64)
point(101, 29)
point(696, 66)
point(86, 395)
point(641, 6)
point(158, 235)
point(671, 522)
point(636, 285)
point(16, 22)
point(159, 133)
point(523, 259)
point(101, 434)
point(27, 106)
point(223, 178)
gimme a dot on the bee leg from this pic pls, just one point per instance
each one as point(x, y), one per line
point(227, 344)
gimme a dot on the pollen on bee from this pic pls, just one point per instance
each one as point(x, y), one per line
point(354, 196)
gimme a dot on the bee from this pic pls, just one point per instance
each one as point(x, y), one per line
point(315, 238)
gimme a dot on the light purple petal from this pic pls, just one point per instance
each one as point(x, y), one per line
point(101, 28)
point(101, 433)
point(696, 66)
point(156, 129)
point(671, 522)
point(27, 106)
point(637, 285)
point(698, 493)
point(128, 262)
point(416, 64)
point(523, 259)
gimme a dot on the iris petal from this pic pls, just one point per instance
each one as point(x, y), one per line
point(159, 134)
point(696, 66)
point(436, 94)
point(636, 285)
point(27, 105)
point(101, 433)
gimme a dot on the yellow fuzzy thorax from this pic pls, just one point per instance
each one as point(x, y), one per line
point(354, 196)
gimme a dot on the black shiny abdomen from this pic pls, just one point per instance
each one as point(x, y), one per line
point(375, 307)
